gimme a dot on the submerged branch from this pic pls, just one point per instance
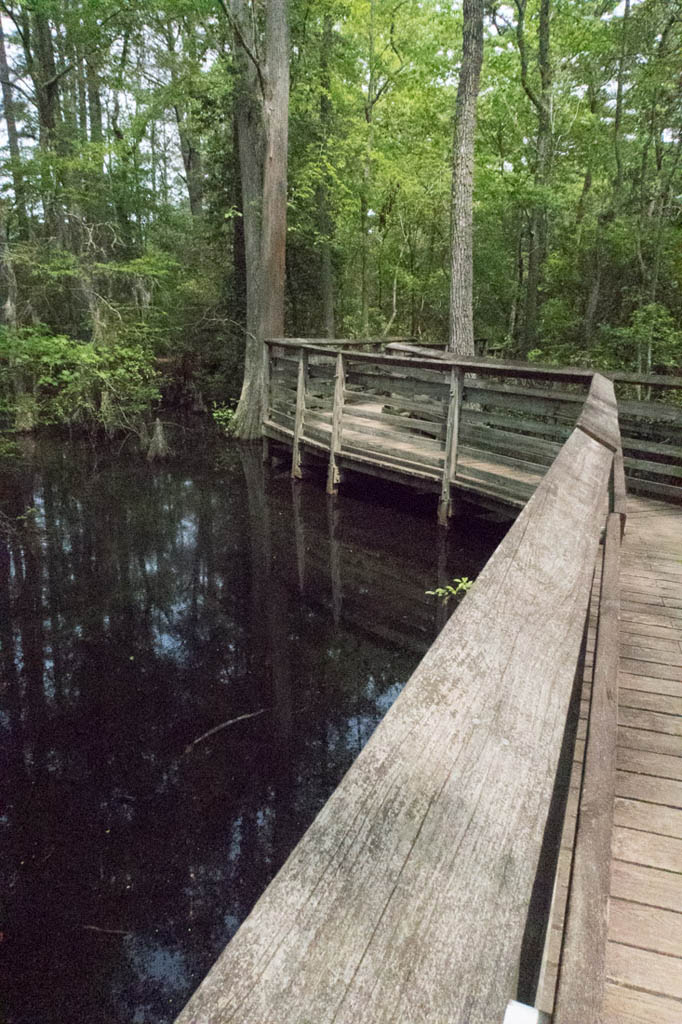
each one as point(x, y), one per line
point(223, 725)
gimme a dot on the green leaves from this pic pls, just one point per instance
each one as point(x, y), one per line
point(52, 379)
point(457, 588)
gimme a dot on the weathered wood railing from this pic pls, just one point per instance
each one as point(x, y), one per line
point(407, 899)
point(475, 425)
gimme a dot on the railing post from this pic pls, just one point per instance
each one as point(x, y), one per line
point(300, 413)
point(267, 356)
point(451, 442)
point(335, 439)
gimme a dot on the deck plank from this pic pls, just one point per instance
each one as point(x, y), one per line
point(644, 948)
point(629, 1006)
point(644, 953)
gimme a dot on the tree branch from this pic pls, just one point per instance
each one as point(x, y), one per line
point(523, 56)
point(13, 85)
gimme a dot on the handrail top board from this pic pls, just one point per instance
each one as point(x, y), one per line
point(471, 364)
point(617, 376)
point(339, 342)
point(493, 369)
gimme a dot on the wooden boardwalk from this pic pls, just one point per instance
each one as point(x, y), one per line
point(644, 956)
point(469, 428)
point(422, 891)
point(644, 940)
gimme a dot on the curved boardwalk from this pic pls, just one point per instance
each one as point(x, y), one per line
point(421, 892)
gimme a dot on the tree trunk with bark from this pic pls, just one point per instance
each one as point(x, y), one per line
point(13, 141)
point(263, 122)
point(461, 339)
point(324, 216)
point(542, 102)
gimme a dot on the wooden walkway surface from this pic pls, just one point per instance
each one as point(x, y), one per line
point(644, 951)
point(644, 956)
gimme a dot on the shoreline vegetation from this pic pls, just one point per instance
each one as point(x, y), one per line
point(134, 205)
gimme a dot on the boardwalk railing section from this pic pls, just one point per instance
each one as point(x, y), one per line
point(408, 897)
point(482, 426)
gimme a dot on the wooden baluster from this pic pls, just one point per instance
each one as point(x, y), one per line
point(301, 387)
point(451, 440)
point(333, 475)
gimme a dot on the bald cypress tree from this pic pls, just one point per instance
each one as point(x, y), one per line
point(461, 338)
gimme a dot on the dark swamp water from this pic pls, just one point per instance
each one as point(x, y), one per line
point(140, 609)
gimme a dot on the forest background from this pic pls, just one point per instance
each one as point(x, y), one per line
point(122, 250)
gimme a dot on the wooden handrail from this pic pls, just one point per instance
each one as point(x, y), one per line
point(443, 365)
point(338, 342)
point(582, 973)
point(407, 897)
point(401, 354)
point(571, 372)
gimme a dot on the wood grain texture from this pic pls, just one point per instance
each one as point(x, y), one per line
point(599, 415)
point(406, 899)
point(301, 386)
point(451, 444)
point(625, 1005)
point(582, 973)
point(651, 886)
point(646, 927)
point(665, 821)
point(333, 476)
point(643, 969)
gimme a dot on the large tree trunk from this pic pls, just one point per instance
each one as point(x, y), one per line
point(276, 110)
point(94, 102)
point(8, 277)
point(461, 338)
point(238, 314)
point(13, 140)
point(537, 250)
point(250, 135)
point(40, 62)
point(324, 217)
point(263, 142)
point(193, 164)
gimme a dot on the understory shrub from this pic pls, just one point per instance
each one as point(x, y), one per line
point(48, 379)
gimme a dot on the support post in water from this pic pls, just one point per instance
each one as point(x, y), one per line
point(301, 386)
point(451, 440)
point(333, 476)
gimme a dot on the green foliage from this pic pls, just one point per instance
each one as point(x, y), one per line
point(108, 248)
point(51, 379)
point(457, 588)
point(223, 415)
point(9, 450)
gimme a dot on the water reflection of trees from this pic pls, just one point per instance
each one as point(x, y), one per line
point(137, 611)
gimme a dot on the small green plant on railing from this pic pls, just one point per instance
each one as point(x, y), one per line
point(459, 586)
point(223, 415)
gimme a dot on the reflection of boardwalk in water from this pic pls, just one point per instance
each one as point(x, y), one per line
point(375, 578)
point(422, 891)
